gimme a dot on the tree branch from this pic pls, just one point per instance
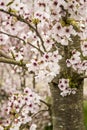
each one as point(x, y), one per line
point(11, 61)
point(13, 36)
point(21, 19)
point(16, 37)
point(83, 77)
point(39, 113)
point(2, 54)
point(36, 48)
point(15, 117)
point(48, 105)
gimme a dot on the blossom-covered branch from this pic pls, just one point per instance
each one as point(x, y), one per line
point(13, 36)
point(21, 19)
point(17, 114)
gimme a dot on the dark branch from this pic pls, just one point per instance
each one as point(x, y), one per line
point(48, 105)
point(39, 113)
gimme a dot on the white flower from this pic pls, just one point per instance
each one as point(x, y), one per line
point(3, 39)
point(15, 127)
point(27, 90)
point(63, 84)
point(64, 42)
point(63, 93)
point(3, 4)
point(84, 48)
point(19, 57)
point(73, 91)
point(66, 92)
point(68, 31)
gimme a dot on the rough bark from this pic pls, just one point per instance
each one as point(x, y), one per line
point(67, 112)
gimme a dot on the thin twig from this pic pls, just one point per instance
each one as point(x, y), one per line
point(48, 105)
point(21, 19)
point(10, 35)
point(11, 61)
point(39, 113)
point(15, 116)
point(36, 48)
point(2, 54)
point(34, 80)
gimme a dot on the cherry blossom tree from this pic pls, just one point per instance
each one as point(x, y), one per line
point(54, 35)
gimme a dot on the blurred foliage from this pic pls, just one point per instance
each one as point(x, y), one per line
point(85, 113)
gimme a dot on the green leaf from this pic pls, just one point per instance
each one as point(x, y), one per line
point(11, 2)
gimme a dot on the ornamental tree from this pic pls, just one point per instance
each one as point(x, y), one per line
point(54, 35)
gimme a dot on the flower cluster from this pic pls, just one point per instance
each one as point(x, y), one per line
point(84, 48)
point(65, 88)
point(16, 53)
point(20, 108)
point(45, 67)
point(76, 62)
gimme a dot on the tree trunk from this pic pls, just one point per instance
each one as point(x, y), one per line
point(67, 112)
